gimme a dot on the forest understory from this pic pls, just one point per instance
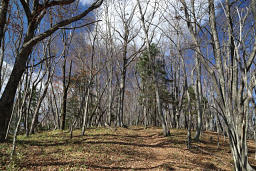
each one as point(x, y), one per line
point(134, 148)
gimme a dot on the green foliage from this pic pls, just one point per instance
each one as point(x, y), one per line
point(34, 98)
point(192, 93)
point(72, 108)
point(146, 67)
point(193, 100)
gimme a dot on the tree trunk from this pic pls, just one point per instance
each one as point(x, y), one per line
point(86, 111)
point(198, 89)
point(56, 107)
point(122, 90)
point(110, 97)
point(7, 99)
point(65, 92)
point(166, 131)
point(2, 56)
point(239, 149)
point(123, 80)
point(174, 123)
point(189, 121)
point(35, 115)
point(145, 116)
point(3, 15)
point(254, 135)
point(64, 109)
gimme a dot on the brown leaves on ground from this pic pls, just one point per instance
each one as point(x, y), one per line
point(124, 149)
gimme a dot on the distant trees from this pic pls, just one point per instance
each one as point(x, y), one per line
point(145, 28)
point(147, 97)
point(145, 67)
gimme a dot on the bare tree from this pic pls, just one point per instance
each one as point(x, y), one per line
point(66, 39)
point(232, 73)
point(34, 14)
point(92, 75)
point(3, 17)
point(50, 71)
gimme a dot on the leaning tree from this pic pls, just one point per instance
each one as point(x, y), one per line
point(35, 13)
point(230, 62)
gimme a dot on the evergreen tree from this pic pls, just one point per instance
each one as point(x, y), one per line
point(145, 67)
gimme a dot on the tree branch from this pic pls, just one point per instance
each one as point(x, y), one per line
point(47, 33)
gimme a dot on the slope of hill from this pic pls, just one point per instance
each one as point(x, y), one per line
point(122, 149)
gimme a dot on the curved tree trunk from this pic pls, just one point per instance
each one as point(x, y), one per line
point(7, 99)
point(239, 149)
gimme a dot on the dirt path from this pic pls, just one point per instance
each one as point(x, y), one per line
point(122, 149)
point(171, 153)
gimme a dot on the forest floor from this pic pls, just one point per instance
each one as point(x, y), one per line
point(135, 148)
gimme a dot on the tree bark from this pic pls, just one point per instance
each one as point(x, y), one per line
point(198, 88)
point(85, 115)
point(3, 15)
point(65, 93)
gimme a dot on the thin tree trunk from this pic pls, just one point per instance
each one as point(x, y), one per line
point(65, 93)
point(13, 151)
point(56, 107)
point(122, 90)
point(145, 113)
point(110, 97)
point(189, 121)
point(198, 88)
point(35, 115)
point(21, 110)
point(123, 79)
point(38, 106)
point(9, 125)
point(85, 116)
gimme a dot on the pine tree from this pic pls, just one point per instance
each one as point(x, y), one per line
point(145, 67)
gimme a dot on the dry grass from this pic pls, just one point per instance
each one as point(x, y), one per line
point(124, 149)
